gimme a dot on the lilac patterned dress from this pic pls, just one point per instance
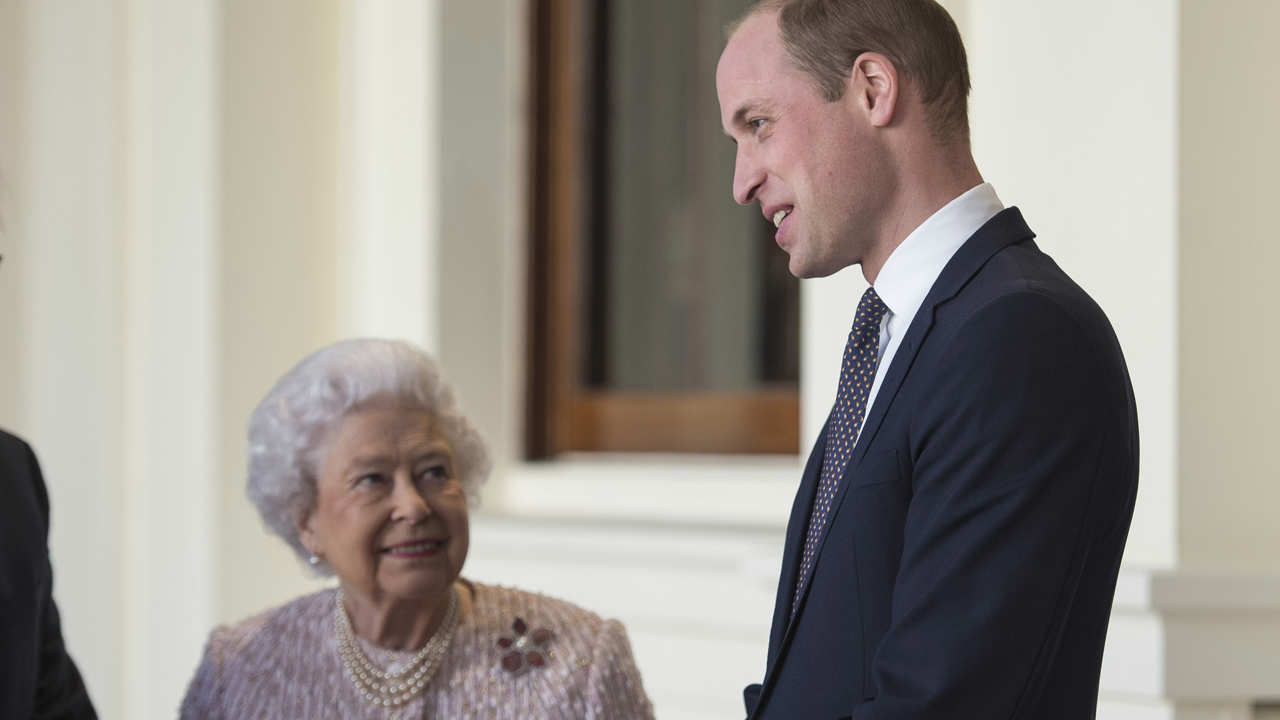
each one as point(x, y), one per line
point(514, 655)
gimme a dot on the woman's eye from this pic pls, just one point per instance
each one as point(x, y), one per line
point(434, 472)
point(369, 479)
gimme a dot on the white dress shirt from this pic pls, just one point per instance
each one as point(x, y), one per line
point(914, 266)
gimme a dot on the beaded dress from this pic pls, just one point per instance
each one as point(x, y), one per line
point(285, 664)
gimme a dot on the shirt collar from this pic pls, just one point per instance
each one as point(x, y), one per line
point(916, 263)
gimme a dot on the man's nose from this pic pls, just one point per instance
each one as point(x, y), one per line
point(747, 178)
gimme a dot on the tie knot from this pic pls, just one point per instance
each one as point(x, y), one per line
point(870, 309)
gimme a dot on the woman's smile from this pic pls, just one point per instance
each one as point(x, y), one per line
point(415, 549)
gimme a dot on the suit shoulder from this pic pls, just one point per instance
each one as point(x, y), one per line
point(10, 443)
point(1021, 285)
point(1024, 267)
point(25, 503)
point(16, 456)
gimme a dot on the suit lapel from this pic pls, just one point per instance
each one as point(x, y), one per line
point(780, 629)
point(796, 526)
point(1006, 228)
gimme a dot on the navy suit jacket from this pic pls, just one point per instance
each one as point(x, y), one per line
point(37, 677)
point(970, 559)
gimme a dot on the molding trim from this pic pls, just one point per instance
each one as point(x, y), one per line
point(1197, 591)
point(1190, 635)
point(698, 491)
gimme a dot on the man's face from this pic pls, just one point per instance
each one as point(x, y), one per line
point(816, 167)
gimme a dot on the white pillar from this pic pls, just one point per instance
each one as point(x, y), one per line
point(1074, 116)
point(1095, 118)
point(64, 301)
point(388, 182)
point(171, 230)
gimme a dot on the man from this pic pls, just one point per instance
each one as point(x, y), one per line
point(37, 677)
point(954, 544)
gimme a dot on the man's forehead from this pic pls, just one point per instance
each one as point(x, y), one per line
point(747, 64)
point(751, 45)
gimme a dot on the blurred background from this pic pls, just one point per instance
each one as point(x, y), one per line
point(195, 194)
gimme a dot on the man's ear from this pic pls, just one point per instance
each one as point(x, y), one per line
point(873, 88)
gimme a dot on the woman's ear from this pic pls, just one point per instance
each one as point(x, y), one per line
point(308, 536)
point(873, 88)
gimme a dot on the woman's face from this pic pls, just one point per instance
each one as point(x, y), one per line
point(391, 514)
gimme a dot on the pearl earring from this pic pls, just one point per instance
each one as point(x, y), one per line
point(314, 560)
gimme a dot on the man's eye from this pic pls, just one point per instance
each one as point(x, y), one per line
point(755, 124)
point(369, 479)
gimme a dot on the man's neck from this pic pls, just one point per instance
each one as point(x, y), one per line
point(928, 188)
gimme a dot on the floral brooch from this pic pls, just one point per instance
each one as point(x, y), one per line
point(524, 649)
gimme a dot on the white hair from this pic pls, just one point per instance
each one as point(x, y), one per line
point(290, 428)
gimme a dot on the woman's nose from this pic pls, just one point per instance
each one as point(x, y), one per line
point(409, 503)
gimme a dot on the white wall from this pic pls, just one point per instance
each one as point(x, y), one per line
point(188, 208)
point(1074, 115)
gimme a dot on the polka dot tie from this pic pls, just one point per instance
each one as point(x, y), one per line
point(861, 355)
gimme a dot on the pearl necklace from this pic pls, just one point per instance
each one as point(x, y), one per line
point(386, 688)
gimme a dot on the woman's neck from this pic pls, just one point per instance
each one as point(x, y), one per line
point(393, 622)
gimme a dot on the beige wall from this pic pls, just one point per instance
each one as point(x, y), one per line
point(277, 281)
point(12, 79)
point(327, 221)
point(1229, 335)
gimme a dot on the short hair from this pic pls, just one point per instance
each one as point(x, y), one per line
point(825, 37)
point(290, 428)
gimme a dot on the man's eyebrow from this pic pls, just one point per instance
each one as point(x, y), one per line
point(745, 109)
point(740, 118)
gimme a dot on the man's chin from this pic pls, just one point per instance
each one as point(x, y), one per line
point(806, 268)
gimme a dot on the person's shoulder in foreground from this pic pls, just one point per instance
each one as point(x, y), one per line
point(37, 676)
point(513, 652)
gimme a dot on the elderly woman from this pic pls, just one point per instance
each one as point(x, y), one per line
point(361, 461)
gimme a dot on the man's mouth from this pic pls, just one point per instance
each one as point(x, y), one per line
point(780, 215)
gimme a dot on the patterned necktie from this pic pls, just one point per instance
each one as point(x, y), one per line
point(861, 355)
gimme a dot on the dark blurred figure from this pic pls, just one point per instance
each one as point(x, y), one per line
point(37, 677)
